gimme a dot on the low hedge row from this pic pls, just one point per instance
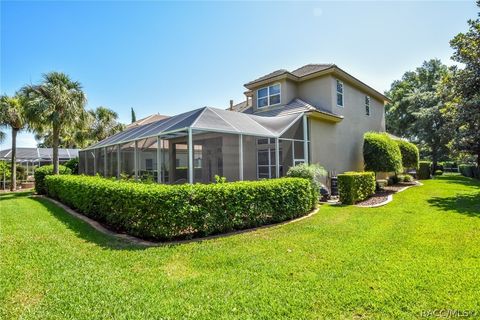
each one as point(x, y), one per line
point(355, 186)
point(164, 212)
point(43, 171)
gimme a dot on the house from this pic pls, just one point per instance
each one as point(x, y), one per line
point(317, 113)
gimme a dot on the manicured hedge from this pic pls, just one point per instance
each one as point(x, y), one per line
point(355, 186)
point(424, 170)
point(381, 153)
point(410, 154)
point(163, 212)
point(43, 171)
point(469, 170)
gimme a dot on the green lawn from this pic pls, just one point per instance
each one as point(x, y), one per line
point(420, 252)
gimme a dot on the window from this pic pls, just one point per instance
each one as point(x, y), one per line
point(339, 93)
point(367, 105)
point(268, 96)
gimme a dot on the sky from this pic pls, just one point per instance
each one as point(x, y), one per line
point(171, 57)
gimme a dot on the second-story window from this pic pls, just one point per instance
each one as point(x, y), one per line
point(339, 93)
point(268, 96)
point(367, 105)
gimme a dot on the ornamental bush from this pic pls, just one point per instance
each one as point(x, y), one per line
point(424, 170)
point(355, 186)
point(381, 153)
point(164, 212)
point(468, 170)
point(438, 172)
point(313, 172)
point(409, 152)
point(43, 171)
point(72, 164)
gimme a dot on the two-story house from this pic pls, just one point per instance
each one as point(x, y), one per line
point(317, 114)
point(340, 110)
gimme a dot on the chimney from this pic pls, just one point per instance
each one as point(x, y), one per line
point(231, 105)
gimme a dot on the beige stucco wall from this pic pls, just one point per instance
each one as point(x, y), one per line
point(338, 146)
point(317, 92)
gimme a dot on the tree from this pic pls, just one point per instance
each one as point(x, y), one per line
point(12, 110)
point(104, 124)
point(134, 117)
point(417, 108)
point(57, 104)
point(466, 84)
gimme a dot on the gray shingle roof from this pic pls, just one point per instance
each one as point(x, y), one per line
point(300, 72)
point(295, 106)
point(310, 68)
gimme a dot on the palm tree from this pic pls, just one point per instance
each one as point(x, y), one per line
point(58, 103)
point(12, 114)
point(104, 124)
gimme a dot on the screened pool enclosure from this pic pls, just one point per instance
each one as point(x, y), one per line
point(195, 146)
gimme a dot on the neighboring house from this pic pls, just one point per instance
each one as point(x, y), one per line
point(317, 113)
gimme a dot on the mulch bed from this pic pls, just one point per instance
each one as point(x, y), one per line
point(382, 195)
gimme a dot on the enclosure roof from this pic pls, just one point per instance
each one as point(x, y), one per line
point(206, 119)
point(38, 154)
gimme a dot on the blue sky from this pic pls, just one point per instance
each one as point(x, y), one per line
point(166, 57)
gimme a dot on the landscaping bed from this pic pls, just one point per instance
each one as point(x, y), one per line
point(381, 196)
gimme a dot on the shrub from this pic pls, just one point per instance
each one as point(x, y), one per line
point(355, 186)
point(381, 184)
point(438, 172)
point(72, 164)
point(313, 172)
point(381, 153)
point(424, 170)
point(42, 172)
point(395, 179)
point(409, 152)
point(407, 178)
point(163, 212)
point(467, 170)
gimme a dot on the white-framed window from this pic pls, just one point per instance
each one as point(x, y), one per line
point(367, 105)
point(339, 93)
point(268, 96)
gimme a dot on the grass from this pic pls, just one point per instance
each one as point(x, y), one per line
point(420, 252)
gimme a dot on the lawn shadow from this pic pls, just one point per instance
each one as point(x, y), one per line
point(459, 179)
point(14, 194)
point(467, 204)
point(85, 231)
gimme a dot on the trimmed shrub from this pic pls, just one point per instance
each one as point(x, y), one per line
point(424, 170)
point(381, 184)
point(164, 212)
point(395, 179)
point(407, 178)
point(381, 153)
point(42, 172)
point(72, 164)
point(409, 152)
point(355, 186)
point(313, 172)
point(467, 170)
point(438, 172)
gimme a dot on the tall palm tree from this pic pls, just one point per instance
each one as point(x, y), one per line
point(57, 103)
point(104, 123)
point(12, 114)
